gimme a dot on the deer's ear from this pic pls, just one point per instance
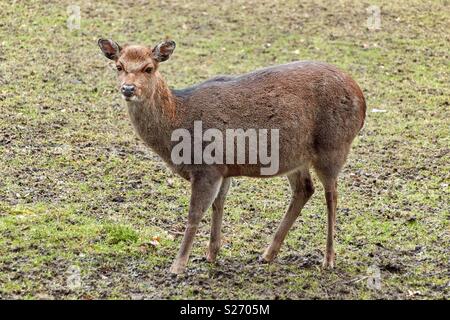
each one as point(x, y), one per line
point(109, 48)
point(164, 50)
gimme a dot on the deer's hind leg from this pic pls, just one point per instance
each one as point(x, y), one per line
point(302, 189)
point(330, 186)
point(328, 169)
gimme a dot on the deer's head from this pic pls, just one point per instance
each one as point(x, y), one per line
point(136, 66)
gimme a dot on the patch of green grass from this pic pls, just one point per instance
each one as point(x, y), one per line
point(120, 233)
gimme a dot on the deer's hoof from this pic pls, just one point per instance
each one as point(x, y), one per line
point(266, 258)
point(328, 262)
point(269, 254)
point(211, 254)
point(177, 269)
point(210, 257)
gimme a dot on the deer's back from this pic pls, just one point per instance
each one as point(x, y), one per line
point(285, 95)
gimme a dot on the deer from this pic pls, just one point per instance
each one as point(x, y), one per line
point(317, 108)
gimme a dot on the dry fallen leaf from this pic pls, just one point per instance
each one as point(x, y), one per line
point(155, 241)
point(413, 293)
point(151, 245)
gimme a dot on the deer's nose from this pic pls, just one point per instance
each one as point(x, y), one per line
point(128, 90)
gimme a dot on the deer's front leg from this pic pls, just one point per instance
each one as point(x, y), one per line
point(216, 220)
point(205, 186)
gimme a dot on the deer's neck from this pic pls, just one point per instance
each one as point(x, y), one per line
point(155, 117)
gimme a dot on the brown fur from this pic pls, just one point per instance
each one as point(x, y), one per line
point(318, 109)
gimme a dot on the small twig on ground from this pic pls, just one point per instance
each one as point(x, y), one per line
point(357, 280)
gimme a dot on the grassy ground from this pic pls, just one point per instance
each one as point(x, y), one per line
point(79, 194)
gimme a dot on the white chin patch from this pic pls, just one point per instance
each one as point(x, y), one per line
point(132, 98)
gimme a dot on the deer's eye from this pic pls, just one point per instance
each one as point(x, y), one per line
point(149, 70)
point(119, 68)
